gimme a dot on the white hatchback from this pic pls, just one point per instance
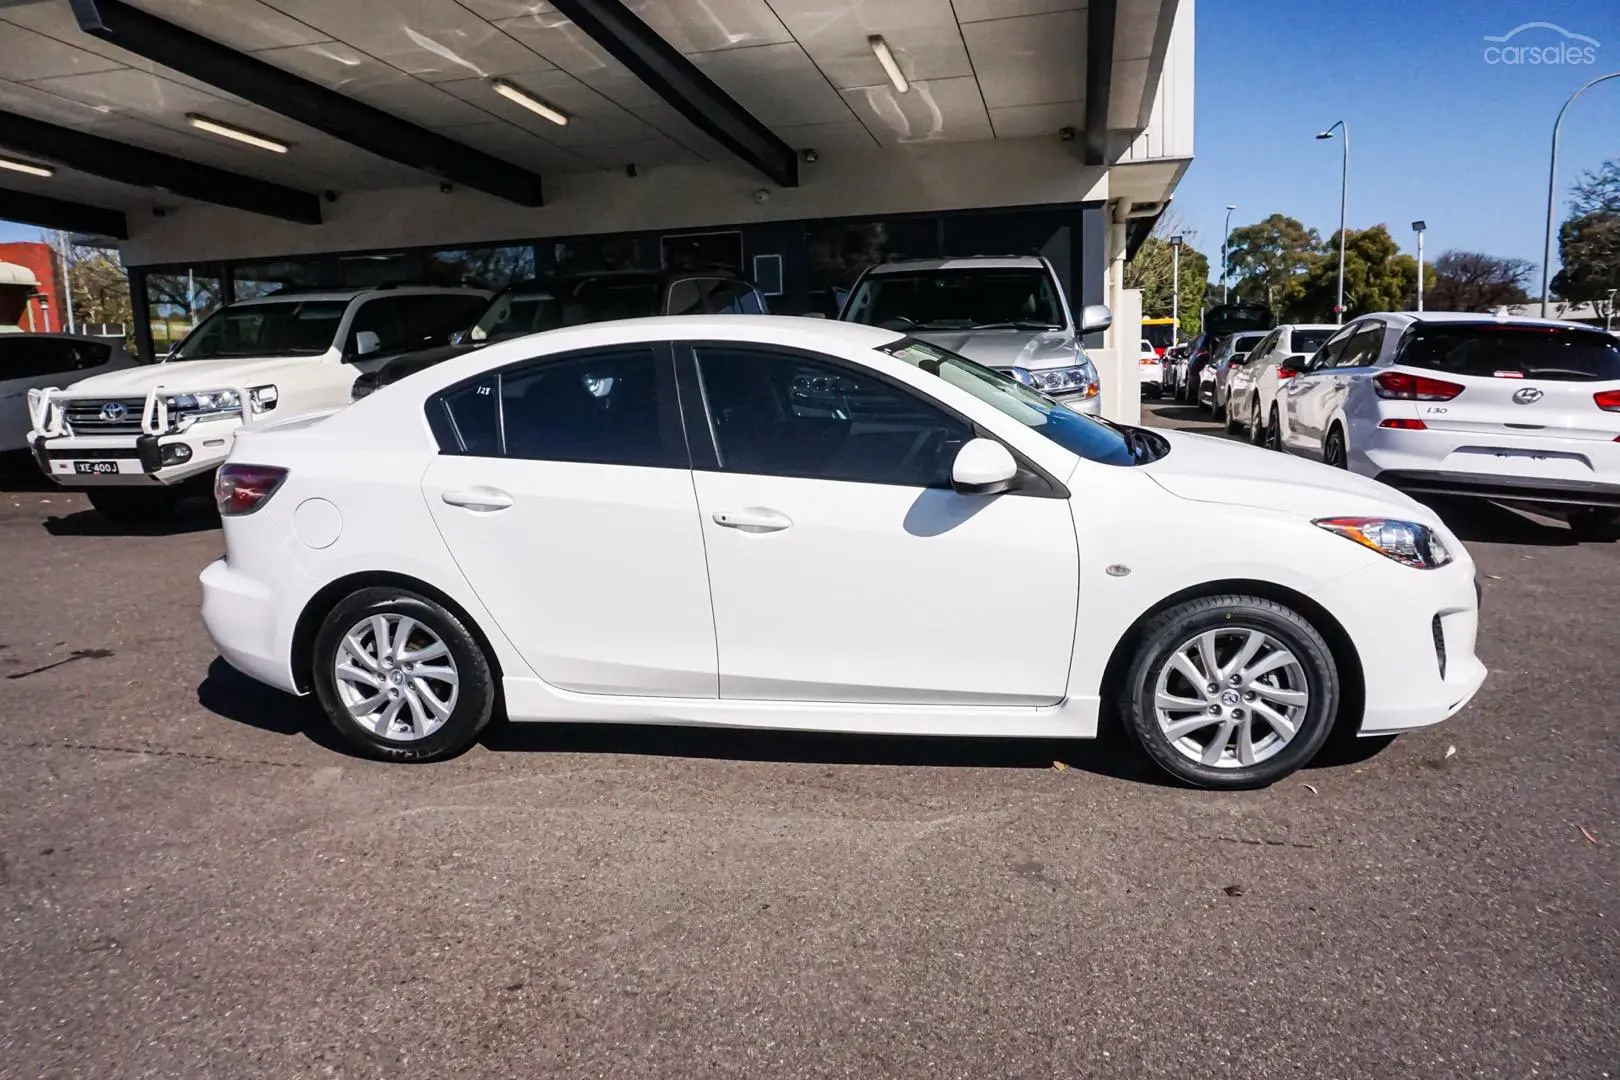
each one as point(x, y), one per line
point(1509, 409)
point(790, 523)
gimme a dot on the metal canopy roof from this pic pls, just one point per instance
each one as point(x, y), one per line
point(801, 71)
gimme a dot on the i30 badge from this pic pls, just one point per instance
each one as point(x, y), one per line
point(114, 411)
point(1528, 396)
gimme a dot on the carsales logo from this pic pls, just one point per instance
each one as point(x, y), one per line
point(1540, 43)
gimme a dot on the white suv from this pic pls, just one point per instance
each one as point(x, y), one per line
point(132, 439)
point(1508, 409)
point(1007, 313)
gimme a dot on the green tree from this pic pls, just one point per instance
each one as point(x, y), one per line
point(1589, 249)
point(1269, 259)
point(1377, 277)
point(1474, 281)
point(1597, 191)
point(1151, 271)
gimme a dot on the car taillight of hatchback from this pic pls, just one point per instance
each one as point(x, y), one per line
point(242, 489)
point(1401, 386)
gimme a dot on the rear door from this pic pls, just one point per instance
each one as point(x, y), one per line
point(564, 492)
point(1352, 373)
point(1532, 401)
point(1303, 397)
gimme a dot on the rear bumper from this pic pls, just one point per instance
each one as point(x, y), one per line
point(241, 616)
point(1501, 488)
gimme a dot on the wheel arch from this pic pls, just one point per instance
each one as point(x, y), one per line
point(1352, 684)
point(330, 595)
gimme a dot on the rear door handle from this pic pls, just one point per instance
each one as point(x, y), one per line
point(481, 499)
point(753, 519)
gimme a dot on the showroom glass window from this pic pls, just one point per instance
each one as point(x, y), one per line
point(481, 268)
point(786, 414)
point(178, 299)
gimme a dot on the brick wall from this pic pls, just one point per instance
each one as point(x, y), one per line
point(47, 271)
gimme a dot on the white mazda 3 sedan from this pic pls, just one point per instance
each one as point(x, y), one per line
point(792, 523)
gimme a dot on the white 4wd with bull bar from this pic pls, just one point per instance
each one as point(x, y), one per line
point(135, 440)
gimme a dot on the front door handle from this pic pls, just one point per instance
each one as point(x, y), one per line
point(753, 519)
point(481, 499)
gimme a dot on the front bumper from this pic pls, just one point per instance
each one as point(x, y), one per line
point(165, 450)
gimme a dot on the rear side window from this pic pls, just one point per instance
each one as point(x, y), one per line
point(467, 419)
point(1308, 341)
point(1513, 352)
point(26, 358)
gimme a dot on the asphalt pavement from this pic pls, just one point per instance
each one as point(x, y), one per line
point(196, 881)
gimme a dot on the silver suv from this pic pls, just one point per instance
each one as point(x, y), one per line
point(1007, 313)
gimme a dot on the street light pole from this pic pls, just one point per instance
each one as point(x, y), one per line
point(1226, 244)
point(1552, 185)
point(1419, 226)
point(1344, 193)
point(1175, 289)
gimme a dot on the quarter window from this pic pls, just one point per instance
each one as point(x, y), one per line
point(783, 414)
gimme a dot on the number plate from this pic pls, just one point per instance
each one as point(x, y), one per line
point(95, 468)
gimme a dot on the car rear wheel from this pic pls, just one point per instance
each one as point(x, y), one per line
point(1257, 426)
point(1333, 452)
point(1273, 435)
point(1595, 524)
point(400, 677)
point(1230, 691)
point(134, 504)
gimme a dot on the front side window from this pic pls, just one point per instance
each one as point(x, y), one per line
point(1364, 347)
point(1094, 440)
point(783, 414)
point(601, 407)
point(287, 328)
point(1329, 354)
point(961, 297)
point(1513, 352)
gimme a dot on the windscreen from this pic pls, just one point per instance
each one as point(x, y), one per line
point(290, 328)
point(1513, 352)
point(960, 297)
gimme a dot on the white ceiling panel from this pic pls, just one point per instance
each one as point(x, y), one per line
point(695, 26)
point(922, 34)
point(837, 135)
point(592, 117)
point(248, 25)
point(32, 56)
point(1030, 60)
point(777, 83)
point(667, 121)
point(349, 71)
point(980, 10)
point(643, 153)
point(54, 19)
point(509, 9)
point(519, 147)
point(1021, 121)
point(547, 32)
point(314, 165)
point(435, 40)
point(52, 108)
point(128, 92)
point(939, 110)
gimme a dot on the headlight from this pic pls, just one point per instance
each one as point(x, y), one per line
point(1065, 380)
point(1407, 542)
point(264, 398)
point(214, 402)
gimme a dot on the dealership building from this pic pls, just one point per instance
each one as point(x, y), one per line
point(236, 147)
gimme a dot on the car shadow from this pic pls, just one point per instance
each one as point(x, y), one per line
point(190, 516)
point(19, 473)
point(1167, 409)
point(226, 692)
point(1476, 521)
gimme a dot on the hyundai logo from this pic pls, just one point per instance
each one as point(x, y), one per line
point(114, 411)
point(1528, 396)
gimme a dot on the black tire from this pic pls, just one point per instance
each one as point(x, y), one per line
point(134, 504)
point(1257, 427)
point(1273, 436)
point(475, 700)
point(1169, 631)
point(1333, 452)
point(1595, 524)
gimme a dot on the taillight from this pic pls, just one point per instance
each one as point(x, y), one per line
point(1406, 387)
point(1607, 400)
point(242, 489)
point(1404, 425)
point(1286, 373)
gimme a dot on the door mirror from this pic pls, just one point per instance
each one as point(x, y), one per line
point(366, 341)
point(1295, 363)
point(1095, 317)
point(983, 467)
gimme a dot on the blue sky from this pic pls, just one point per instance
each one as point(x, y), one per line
point(1437, 132)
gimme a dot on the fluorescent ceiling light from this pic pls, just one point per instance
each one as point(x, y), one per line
point(214, 127)
point(512, 92)
point(880, 49)
point(26, 167)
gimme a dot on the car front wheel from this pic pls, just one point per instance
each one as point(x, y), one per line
point(1230, 691)
point(400, 677)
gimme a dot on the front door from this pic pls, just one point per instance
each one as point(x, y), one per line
point(575, 520)
point(842, 566)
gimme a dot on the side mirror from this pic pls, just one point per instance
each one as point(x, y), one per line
point(983, 467)
point(1095, 317)
point(366, 341)
point(1296, 362)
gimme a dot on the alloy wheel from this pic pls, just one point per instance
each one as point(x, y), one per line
point(1231, 698)
point(396, 677)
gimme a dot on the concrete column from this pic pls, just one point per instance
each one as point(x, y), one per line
point(1116, 361)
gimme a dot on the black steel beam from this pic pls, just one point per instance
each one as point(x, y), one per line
point(1100, 18)
point(136, 165)
point(678, 81)
point(49, 213)
point(309, 103)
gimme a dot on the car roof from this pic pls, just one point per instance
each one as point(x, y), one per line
point(966, 262)
point(1412, 318)
point(290, 296)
